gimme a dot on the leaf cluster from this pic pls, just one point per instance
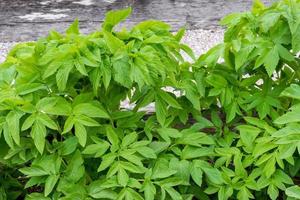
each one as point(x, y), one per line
point(226, 125)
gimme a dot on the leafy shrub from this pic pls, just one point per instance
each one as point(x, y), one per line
point(230, 132)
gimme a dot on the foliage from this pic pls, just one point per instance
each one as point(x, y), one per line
point(230, 132)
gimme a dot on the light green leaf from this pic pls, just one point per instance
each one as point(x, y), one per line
point(268, 20)
point(248, 134)
point(293, 91)
point(38, 133)
point(271, 60)
point(62, 76)
point(69, 146)
point(113, 43)
point(173, 193)
point(50, 183)
point(169, 99)
point(33, 171)
point(197, 175)
point(80, 133)
point(90, 110)
point(161, 111)
point(112, 136)
point(47, 121)
point(122, 177)
point(74, 28)
point(147, 152)
point(149, 190)
point(293, 191)
point(213, 175)
point(289, 117)
point(107, 160)
point(13, 123)
point(112, 18)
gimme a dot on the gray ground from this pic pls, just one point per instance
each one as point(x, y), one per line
point(23, 20)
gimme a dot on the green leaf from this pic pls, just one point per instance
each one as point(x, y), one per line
point(80, 133)
point(38, 133)
point(188, 51)
point(169, 99)
point(160, 109)
point(269, 20)
point(28, 88)
point(293, 192)
point(213, 175)
point(296, 39)
point(190, 152)
point(216, 81)
point(129, 139)
point(50, 183)
point(271, 60)
point(75, 169)
point(62, 76)
point(47, 121)
point(289, 117)
point(112, 18)
point(123, 177)
point(107, 160)
point(113, 43)
point(80, 67)
point(293, 92)
point(97, 149)
point(69, 123)
point(149, 190)
point(167, 133)
point(13, 121)
point(248, 134)
point(147, 152)
point(74, 28)
point(90, 110)
point(173, 193)
point(284, 53)
point(112, 136)
point(197, 174)
point(132, 168)
point(54, 106)
point(100, 193)
point(69, 146)
point(33, 171)
point(84, 120)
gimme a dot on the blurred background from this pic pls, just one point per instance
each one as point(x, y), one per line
point(24, 20)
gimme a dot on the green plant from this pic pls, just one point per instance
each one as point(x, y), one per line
point(230, 133)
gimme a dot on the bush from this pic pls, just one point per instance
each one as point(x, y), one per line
point(230, 132)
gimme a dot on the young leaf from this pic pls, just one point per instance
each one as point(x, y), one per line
point(112, 18)
point(80, 133)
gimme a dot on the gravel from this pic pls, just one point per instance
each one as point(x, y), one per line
point(199, 40)
point(4, 48)
point(202, 40)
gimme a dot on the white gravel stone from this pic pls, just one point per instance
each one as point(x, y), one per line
point(4, 48)
point(202, 40)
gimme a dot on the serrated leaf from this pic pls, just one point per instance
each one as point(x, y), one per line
point(112, 18)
